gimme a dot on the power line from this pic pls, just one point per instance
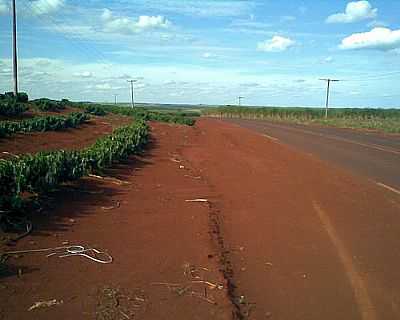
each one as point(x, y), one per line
point(378, 76)
point(327, 93)
point(132, 82)
point(14, 48)
point(90, 51)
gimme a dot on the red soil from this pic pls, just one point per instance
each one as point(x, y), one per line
point(298, 238)
point(154, 236)
point(307, 240)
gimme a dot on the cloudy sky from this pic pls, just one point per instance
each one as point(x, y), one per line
point(207, 51)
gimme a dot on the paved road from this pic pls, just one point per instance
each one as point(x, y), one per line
point(372, 155)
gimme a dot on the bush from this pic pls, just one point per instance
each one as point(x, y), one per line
point(22, 97)
point(9, 95)
point(48, 105)
point(43, 171)
point(10, 107)
point(49, 123)
point(95, 110)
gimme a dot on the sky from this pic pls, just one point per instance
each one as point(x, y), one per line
point(206, 51)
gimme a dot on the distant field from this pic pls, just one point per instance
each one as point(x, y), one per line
point(183, 109)
point(384, 120)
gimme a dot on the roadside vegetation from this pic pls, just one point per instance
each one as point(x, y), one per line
point(42, 124)
point(142, 113)
point(11, 106)
point(384, 120)
point(35, 174)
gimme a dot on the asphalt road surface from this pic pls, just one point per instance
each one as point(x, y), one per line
point(372, 155)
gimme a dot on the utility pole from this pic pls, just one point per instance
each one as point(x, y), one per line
point(14, 40)
point(115, 98)
point(240, 100)
point(132, 82)
point(327, 94)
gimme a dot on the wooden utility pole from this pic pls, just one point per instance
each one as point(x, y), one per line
point(14, 40)
point(327, 94)
point(240, 100)
point(132, 82)
point(115, 98)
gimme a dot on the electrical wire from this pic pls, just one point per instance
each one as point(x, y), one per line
point(83, 47)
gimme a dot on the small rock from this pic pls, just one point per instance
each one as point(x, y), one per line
point(268, 315)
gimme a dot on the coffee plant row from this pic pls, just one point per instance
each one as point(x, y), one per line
point(48, 123)
point(141, 113)
point(42, 172)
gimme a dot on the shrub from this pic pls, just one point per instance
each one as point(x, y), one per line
point(49, 123)
point(10, 107)
point(43, 171)
point(9, 95)
point(48, 105)
point(22, 97)
point(95, 110)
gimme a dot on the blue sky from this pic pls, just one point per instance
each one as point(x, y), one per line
point(207, 51)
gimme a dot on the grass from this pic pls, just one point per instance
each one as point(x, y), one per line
point(381, 120)
point(381, 125)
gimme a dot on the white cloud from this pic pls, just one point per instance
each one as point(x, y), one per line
point(355, 11)
point(376, 23)
point(42, 7)
point(3, 7)
point(146, 22)
point(85, 74)
point(209, 55)
point(287, 18)
point(126, 25)
point(377, 38)
point(276, 44)
point(328, 60)
point(204, 8)
point(103, 86)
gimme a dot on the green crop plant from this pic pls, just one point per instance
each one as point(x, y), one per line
point(141, 113)
point(45, 105)
point(95, 110)
point(44, 171)
point(48, 123)
point(11, 107)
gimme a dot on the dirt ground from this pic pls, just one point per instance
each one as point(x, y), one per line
point(282, 236)
point(308, 240)
point(161, 245)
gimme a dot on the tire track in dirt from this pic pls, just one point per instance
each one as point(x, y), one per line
point(361, 294)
